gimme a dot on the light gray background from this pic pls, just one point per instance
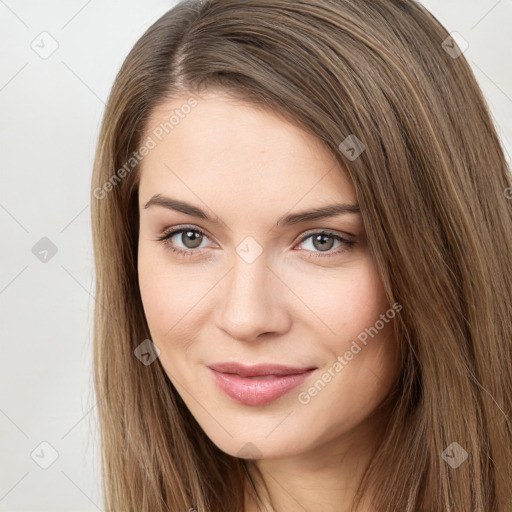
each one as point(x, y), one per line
point(50, 116)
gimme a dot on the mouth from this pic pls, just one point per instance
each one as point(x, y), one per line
point(259, 384)
point(259, 369)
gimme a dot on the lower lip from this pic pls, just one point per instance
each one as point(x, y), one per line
point(258, 390)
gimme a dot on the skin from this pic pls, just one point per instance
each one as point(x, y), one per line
point(247, 167)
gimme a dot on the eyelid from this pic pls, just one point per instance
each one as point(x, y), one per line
point(345, 235)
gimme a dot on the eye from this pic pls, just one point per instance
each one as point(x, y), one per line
point(190, 237)
point(323, 242)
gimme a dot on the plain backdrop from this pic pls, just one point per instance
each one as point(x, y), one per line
point(51, 107)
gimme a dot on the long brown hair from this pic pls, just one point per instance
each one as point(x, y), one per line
point(433, 187)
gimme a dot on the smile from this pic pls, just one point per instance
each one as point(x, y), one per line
point(257, 385)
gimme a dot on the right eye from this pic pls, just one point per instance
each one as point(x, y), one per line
point(186, 235)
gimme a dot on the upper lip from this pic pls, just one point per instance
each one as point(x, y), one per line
point(259, 369)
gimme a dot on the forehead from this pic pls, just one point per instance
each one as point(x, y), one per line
point(236, 152)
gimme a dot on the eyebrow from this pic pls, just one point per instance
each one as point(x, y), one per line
point(286, 220)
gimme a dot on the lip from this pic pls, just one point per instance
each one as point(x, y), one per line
point(258, 369)
point(258, 384)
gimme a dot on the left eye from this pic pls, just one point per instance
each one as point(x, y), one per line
point(321, 241)
point(324, 242)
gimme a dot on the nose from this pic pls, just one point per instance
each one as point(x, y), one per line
point(251, 302)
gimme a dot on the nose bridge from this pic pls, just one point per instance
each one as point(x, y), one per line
point(249, 305)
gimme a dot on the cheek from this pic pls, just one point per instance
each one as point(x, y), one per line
point(344, 303)
point(161, 293)
point(362, 359)
point(366, 339)
point(360, 304)
point(173, 297)
point(356, 321)
point(165, 298)
point(155, 302)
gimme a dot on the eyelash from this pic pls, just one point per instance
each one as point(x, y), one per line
point(166, 236)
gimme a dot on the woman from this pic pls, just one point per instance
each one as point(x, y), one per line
point(303, 239)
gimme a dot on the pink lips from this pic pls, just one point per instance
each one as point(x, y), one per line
point(260, 384)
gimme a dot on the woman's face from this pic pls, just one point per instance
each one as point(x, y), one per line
point(258, 285)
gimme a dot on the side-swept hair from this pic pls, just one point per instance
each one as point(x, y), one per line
point(434, 191)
